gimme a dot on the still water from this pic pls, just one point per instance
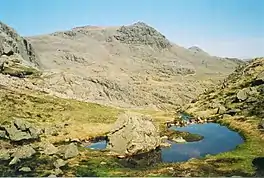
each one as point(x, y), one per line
point(217, 139)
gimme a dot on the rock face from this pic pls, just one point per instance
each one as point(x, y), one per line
point(11, 43)
point(133, 134)
point(128, 66)
point(17, 56)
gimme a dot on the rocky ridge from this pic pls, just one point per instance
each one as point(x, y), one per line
point(128, 66)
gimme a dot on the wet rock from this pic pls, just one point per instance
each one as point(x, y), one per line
point(4, 155)
point(50, 149)
point(179, 140)
point(133, 134)
point(24, 152)
point(59, 163)
point(25, 169)
point(68, 151)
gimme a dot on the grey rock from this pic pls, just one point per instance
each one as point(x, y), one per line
point(34, 132)
point(24, 152)
point(20, 129)
point(50, 149)
point(221, 110)
point(14, 161)
point(21, 124)
point(16, 135)
point(4, 155)
point(68, 151)
point(58, 172)
point(11, 42)
point(25, 169)
point(179, 140)
point(132, 134)
point(52, 175)
point(51, 131)
point(59, 163)
point(242, 95)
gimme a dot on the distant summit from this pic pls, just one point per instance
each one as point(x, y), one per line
point(197, 50)
point(141, 33)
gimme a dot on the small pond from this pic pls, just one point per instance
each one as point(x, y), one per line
point(217, 139)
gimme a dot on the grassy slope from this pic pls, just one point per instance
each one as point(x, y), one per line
point(84, 119)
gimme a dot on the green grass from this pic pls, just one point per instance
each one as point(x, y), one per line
point(43, 109)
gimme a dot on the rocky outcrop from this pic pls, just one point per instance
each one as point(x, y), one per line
point(17, 56)
point(133, 134)
point(141, 33)
point(19, 130)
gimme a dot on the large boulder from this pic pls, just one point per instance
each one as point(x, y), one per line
point(133, 134)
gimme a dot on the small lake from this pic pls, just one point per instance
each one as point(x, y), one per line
point(217, 139)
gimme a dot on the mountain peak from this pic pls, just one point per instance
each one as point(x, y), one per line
point(141, 33)
point(196, 49)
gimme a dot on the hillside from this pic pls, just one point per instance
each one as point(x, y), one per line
point(128, 66)
point(238, 103)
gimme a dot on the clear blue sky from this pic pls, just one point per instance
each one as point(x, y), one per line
point(232, 28)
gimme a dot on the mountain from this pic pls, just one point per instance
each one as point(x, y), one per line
point(127, 66)
point(132, 65)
